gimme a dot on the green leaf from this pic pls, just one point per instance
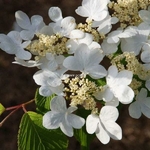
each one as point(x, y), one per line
point(2, 108)
point(33, 136)
point(42, 103)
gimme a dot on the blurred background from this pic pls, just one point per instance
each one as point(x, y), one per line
point(17, 85)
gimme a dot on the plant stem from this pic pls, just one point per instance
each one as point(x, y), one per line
point(14, 109)
point(85, 142)
point(20, 105)
point(1, 123)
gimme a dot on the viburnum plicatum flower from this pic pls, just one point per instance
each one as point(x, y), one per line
point(105, 25)
point(55, 15)
point(61, 116)
point(104, 125)
point(147, 84)
point(144, 15)
point(136, 42)
point(29, 27)
point(12, 44)
point(87, 39)
point(49, 81)
point(29, 63)
point(61, 25)
point(141, 105)
point(117, 86)
point(87, 61)
point(93, 9)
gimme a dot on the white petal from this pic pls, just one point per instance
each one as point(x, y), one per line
point(104, 29)
point(25, 44)
point(124, 94)
point(53, 79)
point(52, 120)
point(131, 45)
point(92, 123)
point(58, 90)
point(40, 78)
point(141, 95)
point(66, 128)
point(36, 20)
point(68, 24)
point(72, 109)
point(95, 45)
point(147, 84)
point(97, 71)
point(144, 15)
point(113, 129)
point(102, 135)
point(22, 20)
point(72, 64)
point(124, 77)
point(55, 14)
point(5, 38)
point(114, 20)
point(30, 63)
point(22, 54)
point(45, 91)
point(91, 9)
point(47, 30)
point(135, 110)
point(109, 48)
point(102, 15)
point(114, 102)
point(75, 121)
point(9, 48)
point(58, 104)
point(107, 95)
point(109, 113)
point(145, 56)
point(145, 108)
point(71, 45)
point(27, 35)
point(88, 39)
point(15, 36)
point(87, 57)
point(112, 73)
point(75, 34)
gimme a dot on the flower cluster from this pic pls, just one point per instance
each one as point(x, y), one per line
point(97, 65)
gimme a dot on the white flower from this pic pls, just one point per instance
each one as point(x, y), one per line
point(61, 25)
point(105, 25)
point(61, 116)
point(12, 44)
point(144, 15)
point(52, 62)
point(30, 27)
point(49, 81)
point(141, 105)
point(72, 44)
point(93, 9)
point(30, 63)
point(55, 14)
point(109, 48)
point(47, 90)
point(145, 55)
point(117, 86)
point(87, 61)
point(147, 84)
point(65, 27)
point(104, 125)
point(135, 43)
point(111, 42)
point(51, 75)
